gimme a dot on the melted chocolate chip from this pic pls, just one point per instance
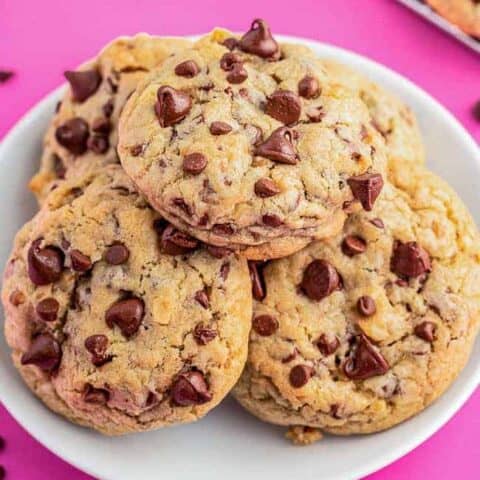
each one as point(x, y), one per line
point(377, 222)
point(83, 83)
point(328, 344)
point(80, 262)
point(265, 325)
point(224, 229)
point(16, 298)
point(426, 331)
point(127, 315)
point(410, 259)
point(308, 87)
point(220, 128)
point(265, 188)
point(366, 306)
point(47, 309)
point(218, 252)
point(271, 220)
point(259, 40)
point(366, 362)
point(101, 125)
point(175, 242)
point(258, 282)
point(73, 135)
point(320, 279)
point(58, 166)
point(172, 106)
point(202, 298)
point(44, 352)
point(117, 254)
point(300, 375)
point(98, 144)
point(366, 188)
point(97, 345)
point(188, 69)
point(95, 395)
point(194, 163)
point(229, 61)
point(284, 106)
point(353, 245)
point(230, 43)
point(44, 264)
point(278, 147)
point(203, 334)
point(238, 74)
point(108, 108)
point(190, 388)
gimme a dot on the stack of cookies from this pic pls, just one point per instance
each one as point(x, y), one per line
point(237, 215)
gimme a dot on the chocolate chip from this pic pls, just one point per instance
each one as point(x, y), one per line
point(284, 106)
point(5, 75)
point(44, 352)
point(98, 144)
point(117, 254)
point(202, 298)
point(194, 163)
point(308, 87)
point(410, 259)
point(97, 345)
point(58, 166)
point(259, 41)
point(220, 128)
point(101, 125)
point(136, 150)
point(353, 245)
point(278, 147)
point(218, 252)
point(237, 75)
point(426, 331)
point(73, 135)
point(80, 262)
point(47, 309)
point(265, 325)
point(190, 388)
point(377, 222)
point(366, 361)
point(230, 43)
point(224, 229)
point(180, 203)
point(127, 315)
point(203, 334)
point(17, 298)
point(265, 188)
point(271, 220)
point(83, 84)
point(172, 106)
point(328, 344)
point(476, 110)
point(229, 61)
point(44, 264)
point(366, 188)
point(188, 69)
point(95, 395)
point(107, 108)
point(366, 306)
point(224, 270)
point(320, 279)
point(300, 375)
point(175, 242)
point(258, 282)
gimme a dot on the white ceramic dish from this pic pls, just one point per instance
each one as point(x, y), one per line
point(230, 443)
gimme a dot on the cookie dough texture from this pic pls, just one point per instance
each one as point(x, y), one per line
point(463, 13)
point(120, 65)
point(393, 119)
point(360, 372)
point(195, 312)
point(327, 139)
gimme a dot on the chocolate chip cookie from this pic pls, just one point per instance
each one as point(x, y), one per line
point(394, 120)
point(117, 320)
point(83, 132)
point(248, 144)
point(358, 332)
point(463, 13)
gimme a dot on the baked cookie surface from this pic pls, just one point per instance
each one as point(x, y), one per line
point(83, 132)
point(118, 321)
point(463, 13)
point(356, 333)
point(249, 147)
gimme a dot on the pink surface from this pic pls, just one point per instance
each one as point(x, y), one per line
point(41, 39)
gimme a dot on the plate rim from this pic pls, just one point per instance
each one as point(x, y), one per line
point(351, 59)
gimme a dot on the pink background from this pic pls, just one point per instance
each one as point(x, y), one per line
point(40, 39)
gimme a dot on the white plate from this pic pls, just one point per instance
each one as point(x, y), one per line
point(230, 443)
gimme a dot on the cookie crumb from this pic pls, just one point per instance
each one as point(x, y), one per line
point(302, 435)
